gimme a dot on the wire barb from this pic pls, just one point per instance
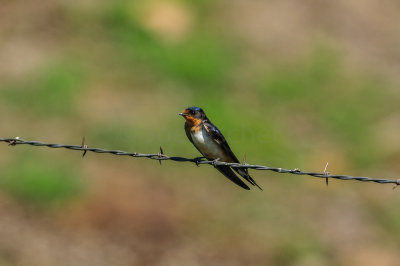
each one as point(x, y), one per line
point(296, 170)
point(396, 184)
point(84, 146)
point(12, 142)
point(160, 154)
point(199, 160)
point(326, 174)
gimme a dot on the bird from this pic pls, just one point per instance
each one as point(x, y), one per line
point(210, 142)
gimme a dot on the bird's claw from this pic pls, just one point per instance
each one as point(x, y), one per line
point(214, 162)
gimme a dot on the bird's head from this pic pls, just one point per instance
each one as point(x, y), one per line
point(193, 115)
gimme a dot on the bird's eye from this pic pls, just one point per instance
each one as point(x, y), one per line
point(192, 112)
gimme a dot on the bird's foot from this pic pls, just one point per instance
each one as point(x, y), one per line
point(214, 162)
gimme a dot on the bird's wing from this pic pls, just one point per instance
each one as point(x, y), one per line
point(225, 170)
point(220, 139)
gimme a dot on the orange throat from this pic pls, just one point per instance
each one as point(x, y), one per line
point(192, 122)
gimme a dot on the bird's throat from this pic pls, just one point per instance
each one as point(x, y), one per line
point(192, 122)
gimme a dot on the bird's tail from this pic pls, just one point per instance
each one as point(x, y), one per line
point(244, 173)
point(227, 171)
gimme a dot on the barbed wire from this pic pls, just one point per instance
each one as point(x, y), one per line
point(160, 156)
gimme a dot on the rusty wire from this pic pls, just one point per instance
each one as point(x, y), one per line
point(160, 156)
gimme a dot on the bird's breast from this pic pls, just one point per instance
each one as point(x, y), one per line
point(207, 145)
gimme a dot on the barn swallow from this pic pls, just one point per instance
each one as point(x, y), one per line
point(210, 142)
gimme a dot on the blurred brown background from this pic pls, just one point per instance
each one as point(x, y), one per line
point(291, 84)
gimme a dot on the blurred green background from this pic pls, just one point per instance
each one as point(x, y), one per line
point(290, 84)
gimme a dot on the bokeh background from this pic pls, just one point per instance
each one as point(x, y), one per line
point(291, 84)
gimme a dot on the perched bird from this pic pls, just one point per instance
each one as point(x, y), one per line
point(210, 142)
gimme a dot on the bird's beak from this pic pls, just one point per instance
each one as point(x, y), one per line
point(182, 114)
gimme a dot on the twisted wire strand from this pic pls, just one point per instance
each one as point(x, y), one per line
point(200, 160)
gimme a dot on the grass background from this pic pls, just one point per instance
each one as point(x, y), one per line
point(290, 84)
